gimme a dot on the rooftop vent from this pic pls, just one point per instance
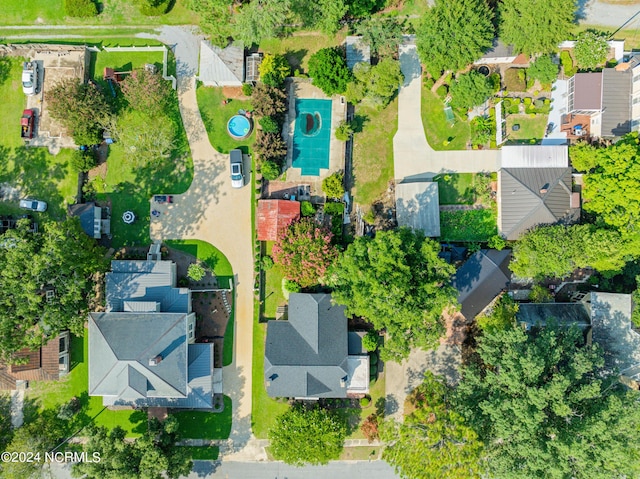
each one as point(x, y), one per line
point(155, 361)
point(544, 189)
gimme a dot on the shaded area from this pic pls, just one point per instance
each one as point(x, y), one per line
point(205, 424)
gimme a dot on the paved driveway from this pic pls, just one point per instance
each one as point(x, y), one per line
point(212, 211)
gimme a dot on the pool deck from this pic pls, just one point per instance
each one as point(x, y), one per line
point(300, 88)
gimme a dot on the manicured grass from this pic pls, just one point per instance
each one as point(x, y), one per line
point(274, 296)
point(216, 115)
point(205, 252)
point(101, 36)
point(436, 127)
point(299, 47)
point(13, 101)
point(205, 425)
point(52, 394)
point(114, 12)
point(264, 410)
point(468, 225)
point(124, 61)
point(530, 127)
point(203, 453)
point(360, 453)
point(456, 189)
point(373, 151)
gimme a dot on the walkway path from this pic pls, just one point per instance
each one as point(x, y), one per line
point(17, 405)
point(413, 157)
point(212, 211)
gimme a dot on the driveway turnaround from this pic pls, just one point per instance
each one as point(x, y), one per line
point(413, 157)
point(214, 212)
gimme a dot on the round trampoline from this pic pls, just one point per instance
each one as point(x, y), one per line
point(239, 127)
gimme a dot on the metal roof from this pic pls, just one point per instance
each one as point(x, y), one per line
point(274, 216)
point(221, 67)
point(418, 207)
point(537, 314)
point(616, 102)
point(534, 156)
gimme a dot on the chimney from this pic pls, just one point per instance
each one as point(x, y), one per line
point(155, 361)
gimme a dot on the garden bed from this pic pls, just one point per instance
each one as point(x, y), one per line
point(476, 225)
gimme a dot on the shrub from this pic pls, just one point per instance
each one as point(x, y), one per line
point(332, 185)
point(567, 63)
point(195, 272)
point(540, 294)
point(543, 69)
point(497, 242)
point(370, 428)
point(329, 70)
point(332, 209)
point(153, 8)
point(344, 131)
point(373, 358)
point(269, 124)
point(527, 101)
point(274, 69)
point(514, 80)
point(428, 83)
point(291, 286)
point(495, 81)
point(307, 209)
point(365, 401)
point(469, 90)
point(371, 341)
point(591, 49)
point(270, 170)
point(373, 369)
point(247, 89)
point(80, 8)
point(267, 262)
point(442, 91)
point(82, 161)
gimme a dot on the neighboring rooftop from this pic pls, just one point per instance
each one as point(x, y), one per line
point(221, 66)
point(91, 220)
point(537, 314)
point(480, 279)
point(274, 216)
point(252, 69)
point(307, 356)
point(616, 102)
point(357, 51)
point(534, 156)
point(418, 207)
point(587, 91)
point(528, 197)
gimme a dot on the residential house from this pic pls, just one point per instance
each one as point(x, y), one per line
point(480, 279)
point(529, 197)
point(221, 66)
point(308, 356)
point(500, 53)
point(357, 51)
point(47, 363)
point(94, 220)
point(141, 350)
point(274, 216)
point(418, 207)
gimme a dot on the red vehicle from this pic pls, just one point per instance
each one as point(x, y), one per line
point(27, 122)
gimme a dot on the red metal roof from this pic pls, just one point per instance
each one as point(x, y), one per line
point(274, 216)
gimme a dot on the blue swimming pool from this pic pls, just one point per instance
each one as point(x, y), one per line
point(311, 136)
point(239, 127)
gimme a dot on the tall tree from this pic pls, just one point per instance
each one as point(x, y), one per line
point(377, 84)
point(329, 70)
point(612, 182)
point(60, 257)
point(215, 19)
point(536, 26)
point(261, 19)
point(304, 251)
point(544, 407)
point(557, 251)
point(591, 49)
point(382, 34)
point(325, 15)
point(307, 436)
point(470, 89)
point(146, 91)
point(397, 282)
point(433, 442)
point(543, 69)
point(364, 8)
point(453, 34)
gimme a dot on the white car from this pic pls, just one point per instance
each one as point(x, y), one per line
point(30, 78)
point(237, 177)
point(33, 205)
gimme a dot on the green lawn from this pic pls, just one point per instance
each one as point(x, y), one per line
point(123, 61)
point(456, 189)
point(360, 453)
point(274, 296)
point(299, 47)
point(215, 117)
point(373, 151)
point(530, 127)
point(34, 170)
point(264, 410)
point(203, 453)
point(437, 128)
point(205, 425)
point(76, 383)
point(468, 225)
point(114, 12)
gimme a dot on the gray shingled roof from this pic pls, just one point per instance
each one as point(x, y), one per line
point(616, 102)
point(86, 213)
point(528, 197)
point(418, 206)
point(306, 356)
point(480, 279)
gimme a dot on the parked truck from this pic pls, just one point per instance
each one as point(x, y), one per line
point(27, 124)
point(30, 78)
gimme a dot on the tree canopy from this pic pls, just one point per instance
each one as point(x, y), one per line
point(453, 34)
point(62, 258)
point(304, 251)
point(261, 19)
point(544, 408)
point(377, 84)
point(397, 282)
point(147, 91)
point(536, 26)
point(215, 19)
point(557, 251)
point(274, 69)
point(329, 70)
point(470, 89)
point(307, 436)
point(612, 182)
point(382, 34)
point(591, 49)
point(543, 69)
point(325, 15)
point(433, 442)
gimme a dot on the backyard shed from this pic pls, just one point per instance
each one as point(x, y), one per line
point(418, 207)
point(274, 216)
